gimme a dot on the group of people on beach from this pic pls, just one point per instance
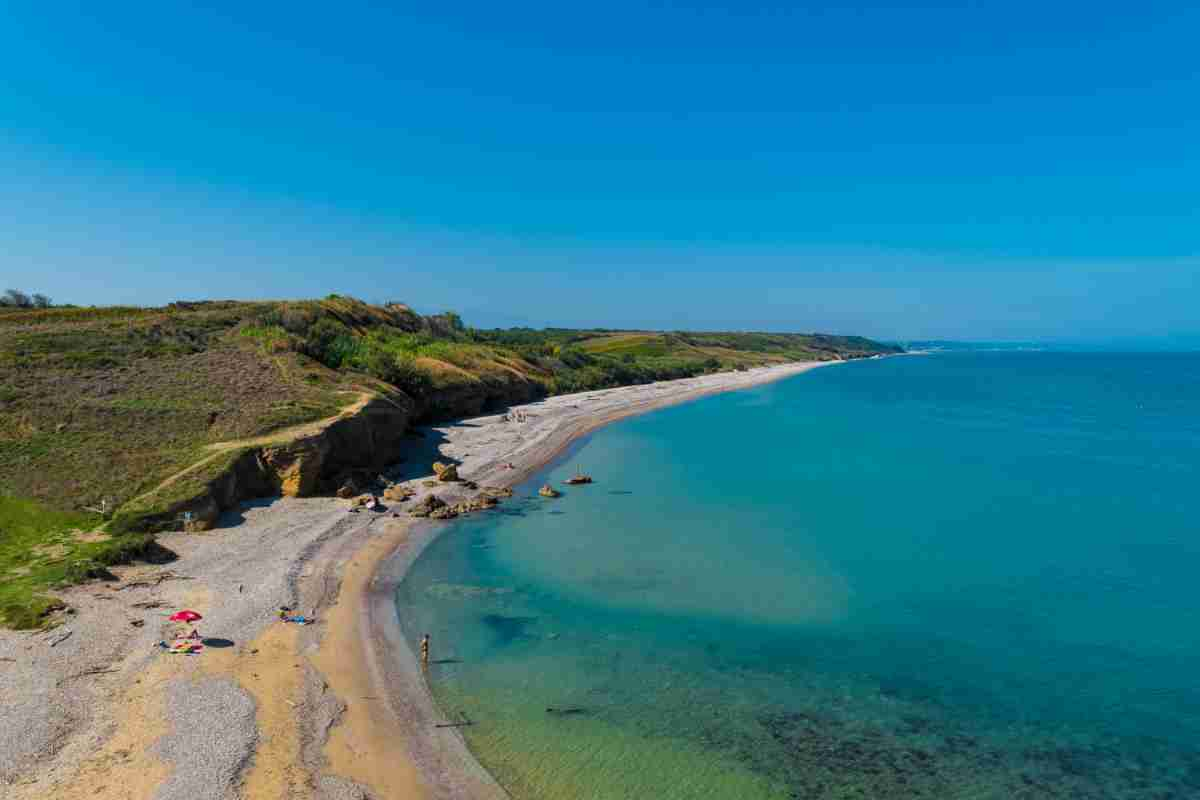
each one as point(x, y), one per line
point(516, 416)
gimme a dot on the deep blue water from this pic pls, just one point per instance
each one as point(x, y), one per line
point(962, 575)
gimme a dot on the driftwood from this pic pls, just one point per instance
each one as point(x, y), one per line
point(61, 639)
point(154, 581)
point(86, 672)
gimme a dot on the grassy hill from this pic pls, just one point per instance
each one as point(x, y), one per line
point(113, 416)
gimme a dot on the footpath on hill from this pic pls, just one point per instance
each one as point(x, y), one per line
point(282, 436)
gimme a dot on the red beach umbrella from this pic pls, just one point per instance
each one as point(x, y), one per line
point(186, 615)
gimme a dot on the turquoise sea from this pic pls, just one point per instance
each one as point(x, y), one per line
point(965, 575)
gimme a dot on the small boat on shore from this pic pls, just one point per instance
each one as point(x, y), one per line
point(549, 491)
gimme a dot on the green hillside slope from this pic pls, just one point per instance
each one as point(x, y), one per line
point(117, 418)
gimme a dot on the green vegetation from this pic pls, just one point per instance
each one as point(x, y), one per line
point(43, 548)
point(583, 360)
point(102, 405)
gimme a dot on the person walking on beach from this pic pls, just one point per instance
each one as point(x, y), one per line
point(425, 650)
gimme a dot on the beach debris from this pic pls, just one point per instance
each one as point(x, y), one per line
point(152, 580)
point(446, 473)
point(86, 672)
point(60, 639)
point(137, 623)
point(549, 491)
point(368, 501)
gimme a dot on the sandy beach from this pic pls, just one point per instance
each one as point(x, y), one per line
point(337, 709)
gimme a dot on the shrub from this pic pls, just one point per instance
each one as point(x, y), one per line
point(329, 342)
point(295, 320)
point(447, 324)
point(400, 371)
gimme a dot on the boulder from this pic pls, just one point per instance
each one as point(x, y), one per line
point(427, 505)
point(446, 473)
point(397, 493)
point(478, 503)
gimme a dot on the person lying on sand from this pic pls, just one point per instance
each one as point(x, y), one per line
point(286, 615)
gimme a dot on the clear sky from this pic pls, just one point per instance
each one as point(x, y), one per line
point(979, 170)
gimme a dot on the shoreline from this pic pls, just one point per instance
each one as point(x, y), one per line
point(447, 767)
point(105, 714)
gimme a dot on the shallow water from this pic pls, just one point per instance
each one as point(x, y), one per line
point(964, 575)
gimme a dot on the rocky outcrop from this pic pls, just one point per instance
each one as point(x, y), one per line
point(296, 466)
point(427, 506)
point(471, 397)
point(364, 441)
point(397, 493)
point(370, 439)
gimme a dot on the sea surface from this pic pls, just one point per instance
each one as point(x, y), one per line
point(964, 575)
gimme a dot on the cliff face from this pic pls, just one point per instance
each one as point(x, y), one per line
point(364, 442)
point(468, 398)
point(368, 440)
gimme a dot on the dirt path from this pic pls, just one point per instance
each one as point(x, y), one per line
point(277, 437)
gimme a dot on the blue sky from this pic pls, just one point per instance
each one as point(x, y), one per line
point(994, 170)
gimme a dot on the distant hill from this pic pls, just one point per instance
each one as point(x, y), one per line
point(127, 417)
